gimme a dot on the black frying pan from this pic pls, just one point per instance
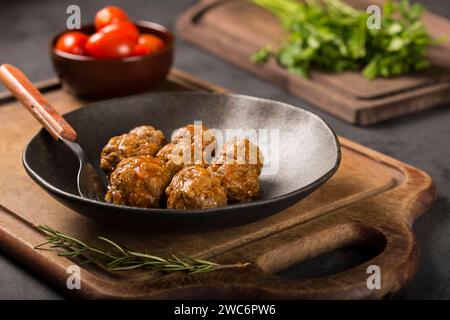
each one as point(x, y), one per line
point(309, 153)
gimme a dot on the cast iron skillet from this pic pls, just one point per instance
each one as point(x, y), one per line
point(309, 153)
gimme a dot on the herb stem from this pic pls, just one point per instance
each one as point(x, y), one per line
point(124, 259)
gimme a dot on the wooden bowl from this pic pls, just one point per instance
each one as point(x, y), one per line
point(90, 77)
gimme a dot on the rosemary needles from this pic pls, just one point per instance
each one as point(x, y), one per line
point(116, 257)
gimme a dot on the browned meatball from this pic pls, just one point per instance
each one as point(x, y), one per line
point(202, 141)
point(238, 167)
point(176, 154)
point(239, 151)
point(138, 181)
point(143, 140)
point(193, 132)
point(195, 187)
point(240, 181)
point(172, 155)
point(176, 157)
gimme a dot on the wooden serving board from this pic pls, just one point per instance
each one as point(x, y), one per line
point(371, 202)
point(234, 29)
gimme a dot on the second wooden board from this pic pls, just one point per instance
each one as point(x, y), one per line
point(235, 29)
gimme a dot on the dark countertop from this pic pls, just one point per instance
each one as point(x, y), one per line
point(422, 140)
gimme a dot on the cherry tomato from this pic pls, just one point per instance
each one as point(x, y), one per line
point(153, 42)
point(125, 26)
point(109, 15)
point(111, 44)
point(141, 50)
point(72, 42)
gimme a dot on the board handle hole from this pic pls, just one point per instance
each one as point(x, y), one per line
point(324, 253)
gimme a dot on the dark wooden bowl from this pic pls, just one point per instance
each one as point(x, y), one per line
point(89, 77)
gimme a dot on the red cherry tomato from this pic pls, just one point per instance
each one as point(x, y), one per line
point(109, 15)
point(153, 42)
point(72, 42)
point(112, 44)
point(125, 26)
point(141, 50)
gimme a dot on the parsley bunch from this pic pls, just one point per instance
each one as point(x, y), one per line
point(335, 37)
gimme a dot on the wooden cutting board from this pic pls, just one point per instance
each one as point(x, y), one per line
point(234, 29)
point(370, 202)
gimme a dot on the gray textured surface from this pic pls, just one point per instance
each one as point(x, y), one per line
point(314, 152)
point(421, 140)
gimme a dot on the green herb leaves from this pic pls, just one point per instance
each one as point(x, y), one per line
point(333, 36)
point(118, 258)
point(262, 55)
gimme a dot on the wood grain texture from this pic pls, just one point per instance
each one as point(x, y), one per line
point(217, 25)
point(30, 97)
point(372, 200)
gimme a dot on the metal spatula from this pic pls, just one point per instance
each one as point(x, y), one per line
point(89, 182)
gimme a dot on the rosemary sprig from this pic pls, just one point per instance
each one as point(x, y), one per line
point(119, 258)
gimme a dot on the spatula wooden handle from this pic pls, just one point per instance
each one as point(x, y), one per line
point(27, 94)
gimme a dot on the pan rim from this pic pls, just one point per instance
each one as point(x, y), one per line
point(196, 212)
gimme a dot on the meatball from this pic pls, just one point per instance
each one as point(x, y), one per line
point(192, 132)
point(176, 158)
point(239, 151)
point(238, 167)
point(172, 155)
point(202, 140)
point(240, 181)
point(138, 181)
point(195, 187)
point(143, 140)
